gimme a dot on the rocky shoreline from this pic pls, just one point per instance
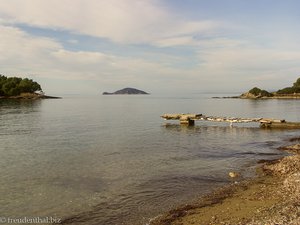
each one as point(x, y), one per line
point(275, 96)
point(249, 96)
point(30, 96)
point(273, 197)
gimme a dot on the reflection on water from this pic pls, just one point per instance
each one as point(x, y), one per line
point(21, 112)
point(19, 106)
point(112, 160)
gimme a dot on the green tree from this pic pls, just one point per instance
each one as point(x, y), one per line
point(255, 91)
point(2, 81)
point(10, 84)
point(291, 90)
point(260, 93)
point(13, 86)
point(30, 86)
point(297, 83)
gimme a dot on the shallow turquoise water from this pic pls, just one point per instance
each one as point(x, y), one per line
point(113, 160)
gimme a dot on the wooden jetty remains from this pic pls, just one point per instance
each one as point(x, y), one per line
point(189, 119)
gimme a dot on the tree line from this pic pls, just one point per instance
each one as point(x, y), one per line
point(295, 89)
point(13, 86)
point(291, 90)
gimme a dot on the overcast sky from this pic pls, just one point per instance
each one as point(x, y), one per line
point(184, 46)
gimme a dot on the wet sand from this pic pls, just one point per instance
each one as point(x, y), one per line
point(273, 197)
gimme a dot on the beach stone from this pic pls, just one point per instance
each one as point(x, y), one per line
point(233, 174)
point(292, 185)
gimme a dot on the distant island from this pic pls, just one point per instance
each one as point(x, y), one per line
point(20, 88)
point(292, 92)
point(127, 91)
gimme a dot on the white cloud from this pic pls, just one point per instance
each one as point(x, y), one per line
point(79, 57)
point(22, 54)
point(217, 64)
point(125, 21)
point(176, 41)
point(247, 64)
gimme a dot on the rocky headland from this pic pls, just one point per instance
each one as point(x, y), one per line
point(274, 95)
point(292, 92)
point(21, 88)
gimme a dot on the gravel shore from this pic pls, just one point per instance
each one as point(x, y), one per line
point(273, 198)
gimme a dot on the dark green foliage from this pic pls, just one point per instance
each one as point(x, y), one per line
point(265, 93)
point(12, 86)
point(285, 91)
point(291, 90)
point(2, 81)
point(260, 93)
point(30, 86)
point(255, 91)
point(297, 83)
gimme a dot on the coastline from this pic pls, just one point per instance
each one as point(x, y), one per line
point(275, 96)
point(30, 96)
point(270, 198)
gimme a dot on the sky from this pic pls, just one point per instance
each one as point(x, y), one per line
point(159, 46)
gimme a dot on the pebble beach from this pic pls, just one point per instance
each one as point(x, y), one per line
point(273, 197)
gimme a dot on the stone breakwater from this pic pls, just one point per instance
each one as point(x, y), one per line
point(271, 198)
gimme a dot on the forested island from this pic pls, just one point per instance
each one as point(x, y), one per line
point(20, 88)
point(127, 91)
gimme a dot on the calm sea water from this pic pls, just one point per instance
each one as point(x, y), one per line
point(113, 160)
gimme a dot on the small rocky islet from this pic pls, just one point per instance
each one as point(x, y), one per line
point(127, 91)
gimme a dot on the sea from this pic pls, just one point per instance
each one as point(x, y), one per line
point(113, 160)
